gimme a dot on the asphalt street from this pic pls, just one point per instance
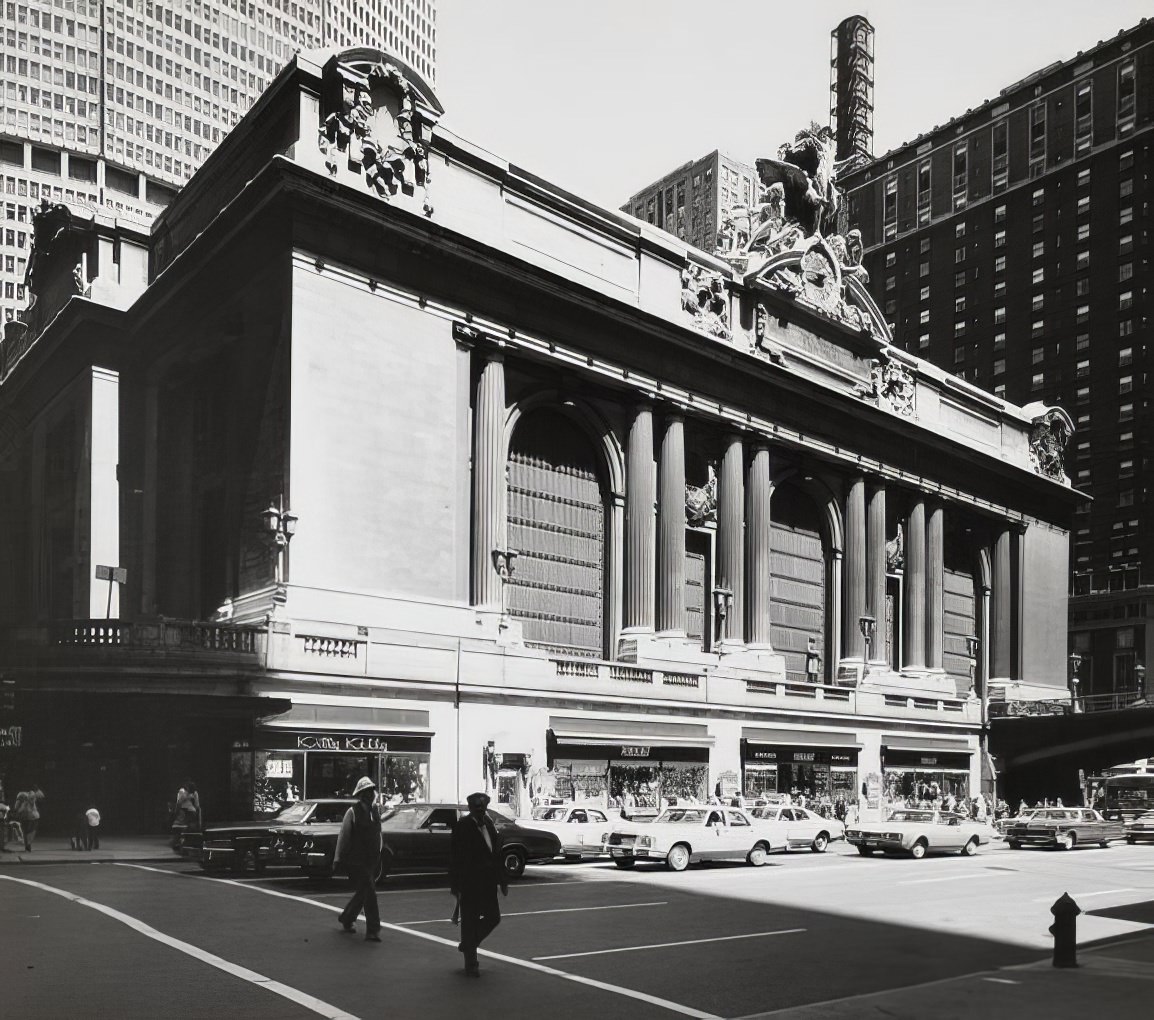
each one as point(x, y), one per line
point(151, 940)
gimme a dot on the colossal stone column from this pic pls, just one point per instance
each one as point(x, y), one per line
point(640, 525)
point(914, 608)
point(757, 532)
point(935, 588)
point(489, 473)
point(731, 537)
point(855, 570)
point(876, 567)
point(671, 529)
point(1002, 608)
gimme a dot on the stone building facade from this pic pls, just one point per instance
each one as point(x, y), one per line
point(418, 466)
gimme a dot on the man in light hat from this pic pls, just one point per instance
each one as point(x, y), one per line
point(476, 872)
point(359, 853)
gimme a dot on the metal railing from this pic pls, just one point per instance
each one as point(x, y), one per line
point(1112, 702)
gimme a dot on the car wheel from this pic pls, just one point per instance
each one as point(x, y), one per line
point(1013, 844)
point(624, 862)
point(514, 862)
point(971, 847)
point(1104, 843)
point(918, 850)
point(758, 855)
point(678, 857)
point(865, 851)
point(1067, 841)
point(1131, 840)
point(820, 843)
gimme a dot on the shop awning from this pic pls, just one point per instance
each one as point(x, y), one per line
point(904, 742)
point(626, 731)
point(800, 738)
point(304, 716)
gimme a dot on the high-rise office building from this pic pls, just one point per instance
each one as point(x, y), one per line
point(1011, 246)
point(114, 104)
point(692, 201)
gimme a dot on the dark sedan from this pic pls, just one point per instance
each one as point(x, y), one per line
point(1065, 828)
point(414, 836)
point(244, 846)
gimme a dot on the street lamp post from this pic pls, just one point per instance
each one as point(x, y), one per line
point(1140, 680)
point(868, 626)
point(1075, 662)
point(280, 525)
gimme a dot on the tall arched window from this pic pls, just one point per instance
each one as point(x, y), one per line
point(798, 600)
point(960, 609)
point(557, 524)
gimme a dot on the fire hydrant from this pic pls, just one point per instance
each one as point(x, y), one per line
point(1065, 931)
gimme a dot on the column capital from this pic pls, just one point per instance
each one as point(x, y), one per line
point(470, 337)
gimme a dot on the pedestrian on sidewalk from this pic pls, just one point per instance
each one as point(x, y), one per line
point(475, 874)
point(186, 817)
point(26, 811)
point(79, 838)
point(359, 853)
point(92, 838)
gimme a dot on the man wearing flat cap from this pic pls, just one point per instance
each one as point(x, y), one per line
point(476, 873)
point(359, 853)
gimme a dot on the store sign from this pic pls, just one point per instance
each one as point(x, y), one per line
point(340, 742)
point(635, 751)
point(928, 761)
point(11, 736)
point(799, 755)
point(279, 768)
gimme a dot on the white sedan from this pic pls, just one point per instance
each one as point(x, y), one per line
point(804, 828)
point(580, 827)
point(681, 835)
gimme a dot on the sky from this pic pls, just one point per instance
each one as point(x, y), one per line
point(603, 97)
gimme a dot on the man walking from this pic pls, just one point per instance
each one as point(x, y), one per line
point(359, 852)
point(475, 874)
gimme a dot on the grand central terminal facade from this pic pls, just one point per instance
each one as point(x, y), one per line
point(404, 461)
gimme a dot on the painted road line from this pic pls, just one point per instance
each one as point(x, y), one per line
point(561, 910)
point(631, 993)
point(303, 999)
point(1002, 981)
point(1084, 895)
point(669, 945)
point(970, 875)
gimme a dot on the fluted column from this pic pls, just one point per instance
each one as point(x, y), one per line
point(640, 524)
point(671, 529)
point(489, 486)
point(731, 537)
point(914, 589)
point(876, 567)
point(757, 532)
point(853, 645)
point(1002, 608)
point(935, 588)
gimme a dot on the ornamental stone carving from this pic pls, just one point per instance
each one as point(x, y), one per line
point(701, 501)
point(1049, 435)
point(373, 116)
point(793, 238)
point(890, 387)
point(703, 297)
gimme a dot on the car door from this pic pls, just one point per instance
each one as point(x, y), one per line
point(739, 838)
point(436, 843)
point(802, 827)
point(595, 828)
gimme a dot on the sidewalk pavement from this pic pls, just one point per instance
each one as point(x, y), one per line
point(1113, 979)
point(55, 850)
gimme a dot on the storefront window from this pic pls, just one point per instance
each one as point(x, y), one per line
point(920, 779)
point(405, 778)
point(335, 775)
point(822, 776)
point(278, 779)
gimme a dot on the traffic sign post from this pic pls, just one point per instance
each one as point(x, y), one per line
point(113, 575)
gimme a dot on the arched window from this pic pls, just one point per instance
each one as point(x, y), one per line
point(557, 524)
point(798, 562)
point(960, 609)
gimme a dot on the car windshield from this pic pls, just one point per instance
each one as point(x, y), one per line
point(691, 815)
point(912, 816)
point(405, 816)
point(549, 814)
point(293, 813)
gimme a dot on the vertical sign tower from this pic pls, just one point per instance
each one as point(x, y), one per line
point(851, 85)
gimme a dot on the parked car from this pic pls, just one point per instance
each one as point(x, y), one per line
point(681, 835)
point(918, 831)
point(244, 846)
point(804, 828)
point(1065, 828)
point(414, 836)
point(1140, 829)
point(581, 828)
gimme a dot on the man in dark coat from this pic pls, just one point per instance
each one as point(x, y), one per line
point(359, 853)
point(476, 872)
